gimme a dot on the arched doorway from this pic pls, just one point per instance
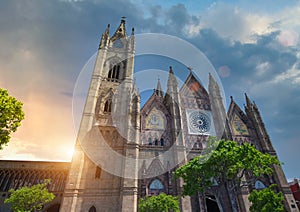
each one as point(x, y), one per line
point(93, 209)
point(211, 204)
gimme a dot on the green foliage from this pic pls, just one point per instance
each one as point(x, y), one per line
point(160, 203)
point(11, 115)
point(27, 199)
point(266, 200)
point(227, 163)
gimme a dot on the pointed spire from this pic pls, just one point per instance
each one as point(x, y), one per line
point(107, 29)
point(132, 31)
point(105, 38)
point(158, 90)
point(248, 102)
point(120, 32)
point(134, 86)
point(172, 81)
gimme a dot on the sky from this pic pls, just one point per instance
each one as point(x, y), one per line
point(253, 45)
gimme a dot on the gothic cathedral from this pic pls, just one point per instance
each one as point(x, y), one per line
point(124, 152)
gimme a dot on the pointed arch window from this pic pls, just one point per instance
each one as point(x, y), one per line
point(92, 209)
point(162, 142)
point(114, 72)
point(107, 106)
point(259, 185)
point(156, 187)
point(149, 141)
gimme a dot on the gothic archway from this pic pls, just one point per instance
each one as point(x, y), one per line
point(211, 204)
point(92, 209)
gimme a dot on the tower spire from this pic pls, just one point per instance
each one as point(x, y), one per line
point(105, 38)
point(248, 102)
point(120, 32)
point(158, 89)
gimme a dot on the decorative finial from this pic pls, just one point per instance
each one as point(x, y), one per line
point(132, 31)
point(231, 98)
point(171, 70)
point(107, 29)
point(190, 68)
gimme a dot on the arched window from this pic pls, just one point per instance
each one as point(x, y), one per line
point(156, 142)
point(107, 106)
point(114, 72)
point(92, 209)
point(259, 185)
point(156, 187)
point(162, 142)
point(149, 141)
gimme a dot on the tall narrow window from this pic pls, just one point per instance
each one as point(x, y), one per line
point(114, 72)
point(98, 172)
point(118, 72)
point(162, 142)
point(107, 106)
point(149, 141)
point(110, 72)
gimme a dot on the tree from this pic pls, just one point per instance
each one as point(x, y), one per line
point(27, 199)
point(266, 200)
point(160, 203)
point(11, 115)
point(225, 169)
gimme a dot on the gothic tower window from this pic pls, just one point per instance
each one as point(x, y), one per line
point(114, 72)
point(107, 106)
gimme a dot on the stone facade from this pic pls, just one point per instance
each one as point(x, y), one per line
point(124, 152)
point(170, 129)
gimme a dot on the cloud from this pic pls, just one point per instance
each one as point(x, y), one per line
point(292, 75)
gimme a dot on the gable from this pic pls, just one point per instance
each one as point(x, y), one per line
point(237, 120)
point(193, 88)
point(155, 120)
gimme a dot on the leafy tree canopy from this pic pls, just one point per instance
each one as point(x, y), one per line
point(160, 203)
point(11, 115)
point(227, 163)
point(266, 200)
point(27, 199)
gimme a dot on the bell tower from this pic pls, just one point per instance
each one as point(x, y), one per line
point(108, 124)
